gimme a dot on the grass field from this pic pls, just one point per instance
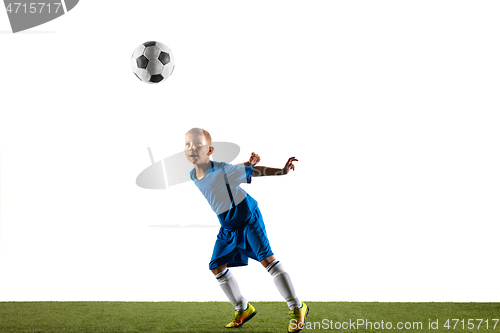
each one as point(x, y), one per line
point(66, 317)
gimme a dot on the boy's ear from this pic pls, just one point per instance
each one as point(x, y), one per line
point(210, 150)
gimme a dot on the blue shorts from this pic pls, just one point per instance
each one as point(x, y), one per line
point(234, 247)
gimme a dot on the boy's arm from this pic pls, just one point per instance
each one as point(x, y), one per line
point(260, 171)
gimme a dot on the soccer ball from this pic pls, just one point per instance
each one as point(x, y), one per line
point(152, 62)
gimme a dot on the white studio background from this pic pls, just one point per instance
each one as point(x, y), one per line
point(391, 107)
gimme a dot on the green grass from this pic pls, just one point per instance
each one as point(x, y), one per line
point(66, 317)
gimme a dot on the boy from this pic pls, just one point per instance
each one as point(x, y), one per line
point(242, 234)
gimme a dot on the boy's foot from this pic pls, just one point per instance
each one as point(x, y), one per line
point(298, 318)
point(241, 317)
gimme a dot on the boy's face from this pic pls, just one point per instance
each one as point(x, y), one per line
point(197, 149)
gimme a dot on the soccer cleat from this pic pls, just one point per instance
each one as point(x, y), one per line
point(298, 318)
point(241, 317)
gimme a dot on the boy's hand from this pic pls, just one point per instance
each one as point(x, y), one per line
point(254, 159)
point(289, 165)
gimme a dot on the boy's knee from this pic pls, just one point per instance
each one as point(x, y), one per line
point(265, 262)
point(218, 269)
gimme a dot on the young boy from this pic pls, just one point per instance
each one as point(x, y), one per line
point(242, 234)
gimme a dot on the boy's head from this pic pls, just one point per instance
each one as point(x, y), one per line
point(198, 146)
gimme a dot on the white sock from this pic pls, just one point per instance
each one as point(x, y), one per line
point(230, 287)
point(284, 284)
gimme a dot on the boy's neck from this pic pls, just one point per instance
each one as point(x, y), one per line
point(201, 169)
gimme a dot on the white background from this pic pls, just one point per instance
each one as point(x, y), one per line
point(391, 107)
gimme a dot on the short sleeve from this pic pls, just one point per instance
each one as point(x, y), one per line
point(237, 174)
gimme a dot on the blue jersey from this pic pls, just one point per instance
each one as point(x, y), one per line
point(221, 187)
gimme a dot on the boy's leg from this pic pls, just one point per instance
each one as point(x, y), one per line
point(244, 310)
point(230, 287)
point(298, 310)
point(282, 281)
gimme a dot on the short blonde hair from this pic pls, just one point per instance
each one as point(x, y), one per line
point(201, 131)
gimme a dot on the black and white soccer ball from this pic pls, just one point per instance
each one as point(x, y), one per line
point(152, 62)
